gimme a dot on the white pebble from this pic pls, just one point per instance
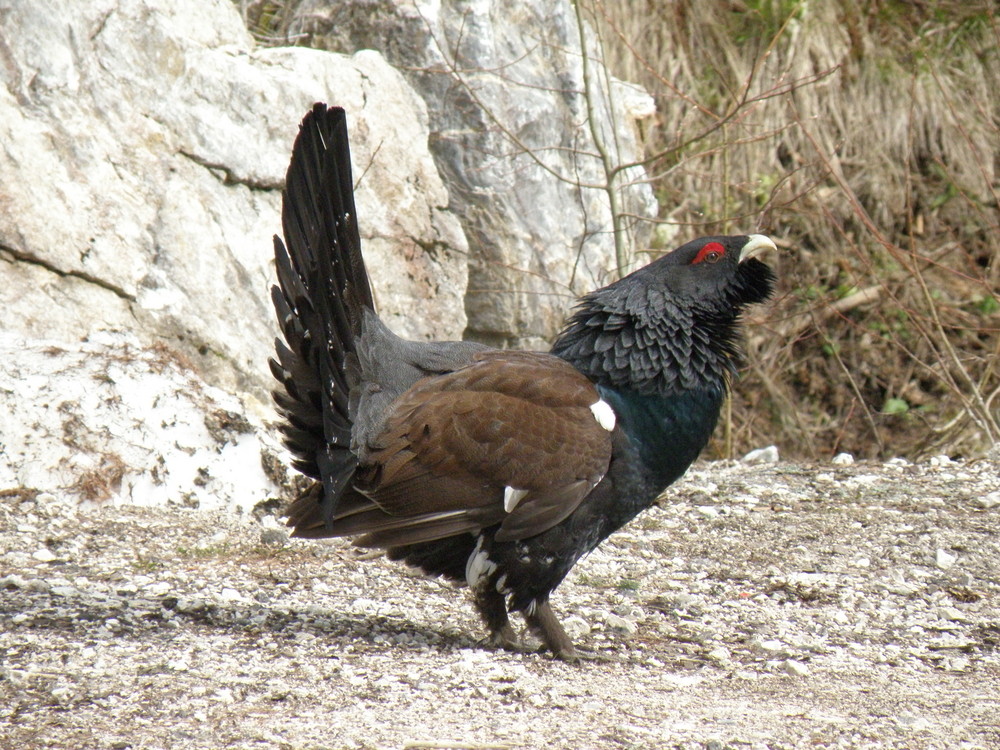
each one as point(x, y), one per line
point(158, 589)
point(62, 694)
point(44, 555)
point(909, 721)
point(720, 655)
point(988, 501)
point(945, 559)
point(621, 624)
point(954, 614)
point(230, 595)
point(766, 646)
point(956, 664)
point(576, 627)
point(843, 459)
point(796, 668)
point(768, 455)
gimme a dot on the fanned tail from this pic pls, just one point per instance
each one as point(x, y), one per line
point(322, 291)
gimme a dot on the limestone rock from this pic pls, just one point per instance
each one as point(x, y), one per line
point(144, 147)
point(108, 421)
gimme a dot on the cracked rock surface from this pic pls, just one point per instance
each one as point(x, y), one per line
point(761, 606)
point(144, 147)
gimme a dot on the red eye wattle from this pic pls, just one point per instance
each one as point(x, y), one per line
point(711, 253)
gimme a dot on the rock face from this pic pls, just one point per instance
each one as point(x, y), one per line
point(108, 419)
point(143, 145)
point(511, 131)
point(143, 156)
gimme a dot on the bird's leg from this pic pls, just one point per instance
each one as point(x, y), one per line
point(492, 606)
point(542, 620)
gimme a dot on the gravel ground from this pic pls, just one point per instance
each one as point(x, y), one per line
point(762, 606)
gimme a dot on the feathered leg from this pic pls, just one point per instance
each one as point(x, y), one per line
point(492, 607)
point(543, 621)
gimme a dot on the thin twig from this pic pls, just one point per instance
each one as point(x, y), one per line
point(610, 172)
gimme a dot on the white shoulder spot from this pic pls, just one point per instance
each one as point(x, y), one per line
point(511, 497)
point(604, 414)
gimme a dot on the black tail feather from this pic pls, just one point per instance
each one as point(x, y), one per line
point(322, 289)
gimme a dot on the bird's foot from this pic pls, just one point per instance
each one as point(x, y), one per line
point(543, 621)
point(569, 654)
point(505, 638)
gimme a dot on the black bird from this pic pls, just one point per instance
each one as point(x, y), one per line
point(496, 468)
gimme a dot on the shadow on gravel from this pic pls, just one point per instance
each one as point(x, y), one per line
point(103, 615)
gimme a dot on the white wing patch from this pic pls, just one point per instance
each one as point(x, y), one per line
point(511, 497)
point(604, 414)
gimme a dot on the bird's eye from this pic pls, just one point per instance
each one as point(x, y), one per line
point(711, 253)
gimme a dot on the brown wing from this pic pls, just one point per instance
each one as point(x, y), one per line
point(454, 443)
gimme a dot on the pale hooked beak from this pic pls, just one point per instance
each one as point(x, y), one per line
point(757, 244)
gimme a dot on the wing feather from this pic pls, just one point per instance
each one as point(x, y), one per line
point(452, 444)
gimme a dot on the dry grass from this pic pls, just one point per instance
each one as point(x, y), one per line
point(863, 136)
point(269, 21)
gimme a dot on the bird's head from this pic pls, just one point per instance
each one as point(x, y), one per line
point(672, 324)
point(722, 273)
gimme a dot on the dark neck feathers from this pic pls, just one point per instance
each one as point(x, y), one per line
point(635, 338)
